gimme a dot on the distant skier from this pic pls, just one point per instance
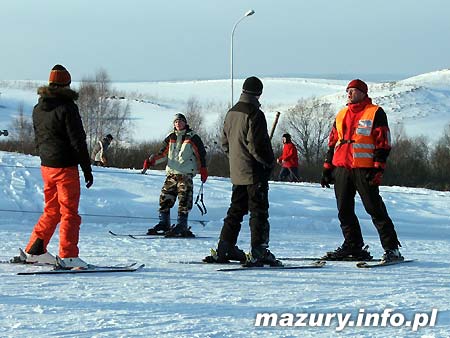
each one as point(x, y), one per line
point(246, 142)
point(186, 156)
point(61, 143)
point(288, 160)
point(99, 153)
point(358, 147)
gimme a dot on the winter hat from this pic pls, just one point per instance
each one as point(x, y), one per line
point(358, 84)
point(179, 116)
point(253, 86)
point(287, 137)
point(59, 76)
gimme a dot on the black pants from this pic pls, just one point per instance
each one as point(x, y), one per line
point(98, 163)
point(244, 199)
point(289, 174)
point(347, 183)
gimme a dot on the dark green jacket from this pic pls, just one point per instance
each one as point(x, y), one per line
point(246, 141)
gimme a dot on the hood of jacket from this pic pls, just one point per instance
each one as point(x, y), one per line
point(51, 97)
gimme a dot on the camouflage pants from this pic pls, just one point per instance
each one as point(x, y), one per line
point(177, 185)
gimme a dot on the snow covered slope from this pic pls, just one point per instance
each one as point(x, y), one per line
point(169, 299)
point(420, 104)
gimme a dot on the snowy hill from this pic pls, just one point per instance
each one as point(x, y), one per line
point(170, 299)
point(420, 104)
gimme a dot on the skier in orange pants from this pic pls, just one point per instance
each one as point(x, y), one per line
point(61, 142)
point(62, 195)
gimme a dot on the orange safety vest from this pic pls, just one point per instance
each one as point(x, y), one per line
point(362, 141)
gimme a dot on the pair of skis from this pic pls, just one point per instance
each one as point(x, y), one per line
point(317, 263)
point(90, 269)
point(59, 269)
point(237, 266)
point(373, 263)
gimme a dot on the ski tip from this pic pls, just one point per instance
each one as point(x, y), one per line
point(362, 265)
point(140, 267)
point(380, 264)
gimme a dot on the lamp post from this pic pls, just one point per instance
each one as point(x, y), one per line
point(248, 13)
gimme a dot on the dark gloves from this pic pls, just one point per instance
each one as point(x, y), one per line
point(327, 177)
point(88, 178)
point(267, 171)
point(203, 174)
point(374, 176)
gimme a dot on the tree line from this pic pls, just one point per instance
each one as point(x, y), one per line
point(413, 162)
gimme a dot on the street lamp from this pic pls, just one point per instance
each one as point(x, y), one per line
point(250, 12)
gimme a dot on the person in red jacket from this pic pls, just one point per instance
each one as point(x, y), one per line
point(358, 147)
point(288, 161)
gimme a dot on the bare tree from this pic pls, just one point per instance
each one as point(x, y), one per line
point(22, 127)
point(398, 132)
point(101, 112)
point(309, 123)
point(440, 160)
point(194, 116)
point(408, 162)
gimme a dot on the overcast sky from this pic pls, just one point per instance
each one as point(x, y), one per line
point(147, 40)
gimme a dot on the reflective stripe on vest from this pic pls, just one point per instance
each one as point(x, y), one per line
point(362, 142)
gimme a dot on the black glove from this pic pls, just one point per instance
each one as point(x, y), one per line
point(267, 171)
point(374, 176)
point(327, 177)
point(88, 178)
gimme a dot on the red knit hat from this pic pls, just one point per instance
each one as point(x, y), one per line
point(358, 84)
point(59, 76)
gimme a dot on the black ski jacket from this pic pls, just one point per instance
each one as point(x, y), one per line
point(59, 134)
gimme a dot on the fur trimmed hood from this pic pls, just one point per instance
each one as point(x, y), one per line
point(47, 92)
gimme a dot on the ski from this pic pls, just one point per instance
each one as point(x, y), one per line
point(380, 264)
point(159, 236)
point(130, 235)
point(90, 269)
point(315, 265)
point(205, 263)
point(145, 236)
point(324, 259)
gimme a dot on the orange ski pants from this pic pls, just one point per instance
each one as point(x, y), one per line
point(62, 197)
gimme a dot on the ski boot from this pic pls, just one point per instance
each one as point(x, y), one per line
point(26, 258)
point(37, 254)
point(225, 253)
point(260, 256)
point(71, 263)
point(163, 226)
point(392, 255)
point(181, 229)
point(348, 253)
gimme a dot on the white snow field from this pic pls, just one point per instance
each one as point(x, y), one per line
point(170, 299)
point(419, 104)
